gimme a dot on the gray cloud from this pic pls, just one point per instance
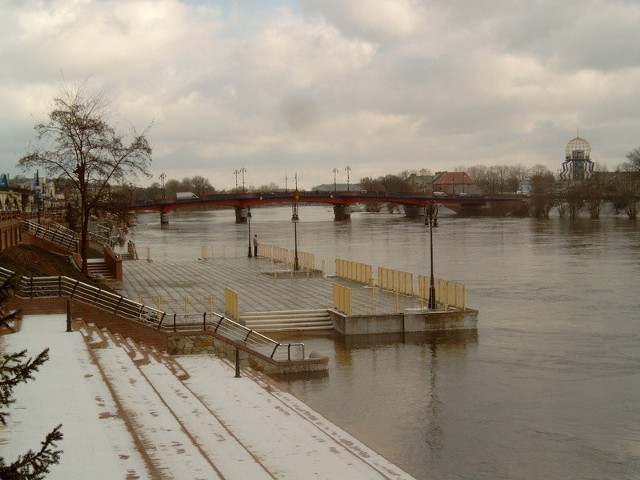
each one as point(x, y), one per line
point(378, 85)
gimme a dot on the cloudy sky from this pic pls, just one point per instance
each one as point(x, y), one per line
point(306, 86)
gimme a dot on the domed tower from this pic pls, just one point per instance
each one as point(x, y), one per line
point(577, 165)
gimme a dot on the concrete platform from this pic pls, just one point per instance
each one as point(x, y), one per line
point(166, 285)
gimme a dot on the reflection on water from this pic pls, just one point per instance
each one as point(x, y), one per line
point(548, 386)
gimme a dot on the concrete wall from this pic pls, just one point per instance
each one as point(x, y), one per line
point(10, 233)
point(113, 263)
point(184, 343)
point(408, 321)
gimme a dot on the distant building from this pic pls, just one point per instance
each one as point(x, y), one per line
point(525, 187)
point(577, 166)
point(420, 183)
point(454, 183)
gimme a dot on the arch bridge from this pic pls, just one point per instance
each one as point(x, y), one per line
point(341, 201)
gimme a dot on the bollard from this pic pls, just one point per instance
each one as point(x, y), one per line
point(237, 362)
point(69, 316)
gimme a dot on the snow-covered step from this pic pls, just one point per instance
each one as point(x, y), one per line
point(230, 457)
point(155, 425)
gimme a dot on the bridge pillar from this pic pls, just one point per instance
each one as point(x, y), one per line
point(164, 218)
point(341, 212)
point(241, 215)
point(411, 211)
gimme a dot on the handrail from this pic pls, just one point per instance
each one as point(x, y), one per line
point(61, 286)
point(60, 236)
point(236, 332)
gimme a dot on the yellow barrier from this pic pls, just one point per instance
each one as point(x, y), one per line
point(342, 298)
point(395, 280)
point(451, 293)
point(354, 271)
point(448, 293)
point(306, 261)
point(231, 304)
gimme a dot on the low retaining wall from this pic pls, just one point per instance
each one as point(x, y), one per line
point(113, 263)
point(175, 343)
point(408, 321)
point(184, 343)
point(150, 336)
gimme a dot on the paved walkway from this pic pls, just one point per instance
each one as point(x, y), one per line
point(259, 285)
point(211, 426)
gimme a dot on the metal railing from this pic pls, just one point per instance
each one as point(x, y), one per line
point(55, 233)
point(5, 280)
point(227, 328)
point(41, 287)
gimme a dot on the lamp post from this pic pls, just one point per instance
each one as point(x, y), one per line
point(295, 219)
point(335, 184)
point(162, 177)
point(431, 220)
point(243, 171)
point(249, 223)
point(236, 172)
point(348, 169)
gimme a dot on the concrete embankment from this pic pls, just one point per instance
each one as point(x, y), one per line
point(199, 286)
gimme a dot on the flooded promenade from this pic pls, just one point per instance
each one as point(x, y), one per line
point(546, 387)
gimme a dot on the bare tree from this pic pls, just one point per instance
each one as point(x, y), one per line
point(633, 165)
point(479, 175)
point(201, 185)
point(543, 197)
point(78, 143)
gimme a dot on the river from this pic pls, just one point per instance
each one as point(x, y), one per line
point(547, 387)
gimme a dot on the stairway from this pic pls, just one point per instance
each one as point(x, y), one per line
point(169, 421)
point(97, 269)
point(210, 424)
point(287, 321)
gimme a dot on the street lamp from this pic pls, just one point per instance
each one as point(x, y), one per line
point(243, 170)
point(431, 220)
point(236, 172)
point(335, 185)
point(162, 177)
point(249, 223)
point(348, 169)
point(295, 219)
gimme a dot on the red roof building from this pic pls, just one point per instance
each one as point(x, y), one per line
point(455, 183)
